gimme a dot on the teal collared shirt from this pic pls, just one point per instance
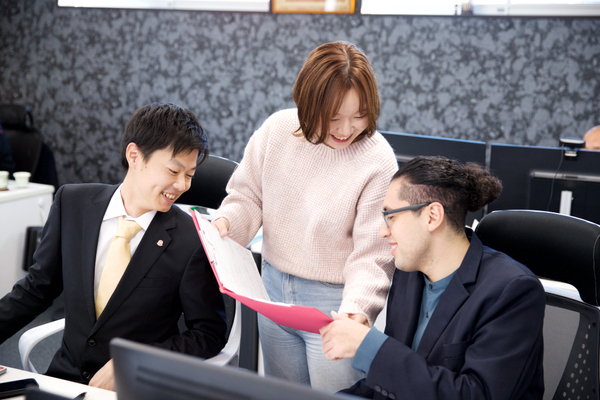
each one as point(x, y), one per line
point(431, 297)
point(432, 292)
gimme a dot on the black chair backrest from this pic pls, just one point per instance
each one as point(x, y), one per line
point(570, 349)
point(24, 139)
point(209, 183)
point(208, 190)
point(553, 246)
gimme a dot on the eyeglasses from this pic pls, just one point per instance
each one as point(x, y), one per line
point(397, 210)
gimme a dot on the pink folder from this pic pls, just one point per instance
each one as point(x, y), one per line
point(237, 276)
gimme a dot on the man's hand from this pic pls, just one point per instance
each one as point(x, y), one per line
point(105, 377)
point(342, 337)
point(222, 224)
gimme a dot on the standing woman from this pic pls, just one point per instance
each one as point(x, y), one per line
point(315, 177)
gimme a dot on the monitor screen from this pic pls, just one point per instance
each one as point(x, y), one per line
point(542, 178)
point(144, 372)
point(408, 146)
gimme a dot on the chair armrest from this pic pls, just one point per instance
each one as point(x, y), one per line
point(561, 289)
point(33, 336)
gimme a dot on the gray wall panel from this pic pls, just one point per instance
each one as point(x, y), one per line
point(84, 71)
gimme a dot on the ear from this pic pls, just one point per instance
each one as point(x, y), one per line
point(435, 216)
point(133, 155)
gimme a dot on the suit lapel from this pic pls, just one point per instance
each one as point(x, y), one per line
point(453, 298)
point(148, 252)
point(408, 300)
point(90, 231)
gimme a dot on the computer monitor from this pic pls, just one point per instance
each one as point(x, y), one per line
point(532, 180)
point(144, 372)
point(408, 146)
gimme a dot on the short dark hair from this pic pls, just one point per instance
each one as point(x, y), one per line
point(459, 188)
point(329, 73)
point(164, 126)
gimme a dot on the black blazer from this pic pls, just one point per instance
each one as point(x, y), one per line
point(168, 274)
point(484, 339)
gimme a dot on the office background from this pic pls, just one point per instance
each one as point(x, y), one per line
point(83, 72)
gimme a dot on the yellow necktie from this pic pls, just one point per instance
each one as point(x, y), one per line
point(117, 260)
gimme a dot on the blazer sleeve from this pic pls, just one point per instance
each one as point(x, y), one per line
point(499, 362)
point(43, 283)
point(203, 311)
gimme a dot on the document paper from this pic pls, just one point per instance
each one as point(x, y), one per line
point(238, 277)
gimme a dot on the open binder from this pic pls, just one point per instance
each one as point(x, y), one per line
point(238, 277)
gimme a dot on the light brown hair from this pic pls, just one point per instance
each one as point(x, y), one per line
point(331, 71)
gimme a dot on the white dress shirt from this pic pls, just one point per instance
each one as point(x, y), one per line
point(108, 229)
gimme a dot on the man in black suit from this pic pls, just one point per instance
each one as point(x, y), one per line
point(168, 273)
point(463, 321)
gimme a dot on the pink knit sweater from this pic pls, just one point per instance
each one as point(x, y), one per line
point(320, 209)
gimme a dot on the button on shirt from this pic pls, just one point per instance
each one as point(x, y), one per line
point(374, 340)
point(108, 228)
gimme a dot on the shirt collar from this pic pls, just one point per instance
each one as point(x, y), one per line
point(439, 286)
point(116, 208)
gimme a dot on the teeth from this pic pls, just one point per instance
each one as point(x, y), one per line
point(169, 196)
point(340, 137)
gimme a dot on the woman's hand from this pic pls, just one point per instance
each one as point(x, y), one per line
point(222, 224)
point(357, 317)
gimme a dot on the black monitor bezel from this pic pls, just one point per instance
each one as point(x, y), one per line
point(144, 372)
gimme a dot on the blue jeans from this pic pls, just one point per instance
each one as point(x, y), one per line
point(296, 355)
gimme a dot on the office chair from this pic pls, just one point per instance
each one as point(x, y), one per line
point(229, 355)
point(25, 141)
point(209, 183)
point(559, 248)
point(29, 151)
point(207, 190)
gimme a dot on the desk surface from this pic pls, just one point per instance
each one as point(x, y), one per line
point(58, 386)
point(33, 189)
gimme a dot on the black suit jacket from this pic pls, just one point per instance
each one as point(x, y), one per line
point(168, 274)
point(484, 339)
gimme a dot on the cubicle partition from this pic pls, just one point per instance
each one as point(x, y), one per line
point(544, 178)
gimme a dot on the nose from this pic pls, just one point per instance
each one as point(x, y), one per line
point(384, 231)
point(346, 128)
point(181, 183)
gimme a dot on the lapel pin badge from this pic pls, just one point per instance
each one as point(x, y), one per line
point(160, 243)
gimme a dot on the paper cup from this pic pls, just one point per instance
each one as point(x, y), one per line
point(22, 179)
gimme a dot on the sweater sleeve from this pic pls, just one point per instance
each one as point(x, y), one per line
point(369, 267)
point(243, 205)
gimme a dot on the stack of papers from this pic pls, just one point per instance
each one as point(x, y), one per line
point(238, 277)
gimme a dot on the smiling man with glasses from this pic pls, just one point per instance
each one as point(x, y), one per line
point(464, 321)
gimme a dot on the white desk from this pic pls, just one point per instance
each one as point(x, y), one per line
point(58, 386)
point(19, 208)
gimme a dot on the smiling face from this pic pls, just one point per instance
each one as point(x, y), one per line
point(407, 234)
point(156, 182)
point(349, 122)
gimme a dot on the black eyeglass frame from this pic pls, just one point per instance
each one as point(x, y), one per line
point(412, 207)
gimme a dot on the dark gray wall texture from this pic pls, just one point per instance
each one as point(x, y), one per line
point(83, 72)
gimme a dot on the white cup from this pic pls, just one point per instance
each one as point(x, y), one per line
point(3, 180)
point(22, 179)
